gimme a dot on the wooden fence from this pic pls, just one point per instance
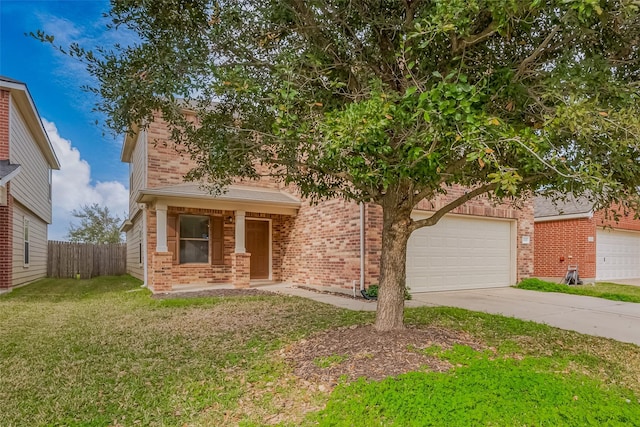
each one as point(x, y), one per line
point(67, 259)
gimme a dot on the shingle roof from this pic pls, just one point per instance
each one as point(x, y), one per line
point(569, 205)
point(7, 168)
point(10, 80)
point(234, 193)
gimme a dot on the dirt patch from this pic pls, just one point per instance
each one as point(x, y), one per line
point(214, 293)
point(360, 351)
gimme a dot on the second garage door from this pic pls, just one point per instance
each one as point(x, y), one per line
point(461, 253)
point(617, 254)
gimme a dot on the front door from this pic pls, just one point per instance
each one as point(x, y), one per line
point(257, 242)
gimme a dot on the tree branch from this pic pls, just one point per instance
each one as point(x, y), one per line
point(437, 216)
point(458, 45)
point(536, 53)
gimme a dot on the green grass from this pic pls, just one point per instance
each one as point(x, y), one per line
point(610, 291)
point(503, 392)
point(103, 353)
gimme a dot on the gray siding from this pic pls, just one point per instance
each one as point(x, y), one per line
point(134, 266)
point(137, 178)
point(37, 267)
point(31, 186)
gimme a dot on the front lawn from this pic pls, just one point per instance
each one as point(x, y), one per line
point(610, 291)
point(104, 353)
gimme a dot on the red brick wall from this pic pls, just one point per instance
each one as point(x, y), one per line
point(6, 241)
point(320, 245)
point(168, 163)
point(323, 247)
point(568, 240)
point(4, 124)
point(6, 212)
point(625, 220)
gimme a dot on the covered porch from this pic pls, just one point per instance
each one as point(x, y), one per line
point(196, 239)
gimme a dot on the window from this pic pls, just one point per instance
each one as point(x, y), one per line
point(194, 239)
point(26, 241)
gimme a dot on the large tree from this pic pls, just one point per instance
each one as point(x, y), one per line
point(388, 102)
point(97, 225)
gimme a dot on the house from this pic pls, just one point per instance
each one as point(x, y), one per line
point(570, 232)
point(26, 162)
point(179, 235)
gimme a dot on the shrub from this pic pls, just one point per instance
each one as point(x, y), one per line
point(372, 292)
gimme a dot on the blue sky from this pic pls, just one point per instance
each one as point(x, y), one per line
point(91, 171)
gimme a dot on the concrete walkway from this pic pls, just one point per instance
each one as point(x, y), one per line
point(593, 316)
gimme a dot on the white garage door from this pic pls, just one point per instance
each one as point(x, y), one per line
point(617, 254)
point(461, 253)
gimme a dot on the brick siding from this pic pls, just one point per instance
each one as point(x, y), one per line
point(323, 247)
point(168, 163)
point(625, 220)
point(6, 212)
point(569, 240)
point(318, 246)
point(4, 124)
point(6, 241)
point(560, 243)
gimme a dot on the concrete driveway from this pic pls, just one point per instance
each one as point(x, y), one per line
point(593, 316)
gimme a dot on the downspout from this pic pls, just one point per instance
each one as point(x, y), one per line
point(144, 245)
point(145, 179)
point(362, 252)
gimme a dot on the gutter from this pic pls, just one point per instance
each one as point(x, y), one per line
point(362, 248)
point(581, 215)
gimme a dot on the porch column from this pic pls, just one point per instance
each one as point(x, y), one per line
point(161, 228)
point(240, 247)
point(240, 259)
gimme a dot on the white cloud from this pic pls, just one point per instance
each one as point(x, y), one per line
point(73, 186)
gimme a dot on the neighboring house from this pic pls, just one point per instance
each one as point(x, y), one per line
point(179, 235)
point(26, 162)
point(570, 232)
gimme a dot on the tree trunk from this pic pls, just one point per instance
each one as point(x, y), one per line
point(393, 271)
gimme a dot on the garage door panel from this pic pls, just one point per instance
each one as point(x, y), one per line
point(460, 253)
point(617, 254)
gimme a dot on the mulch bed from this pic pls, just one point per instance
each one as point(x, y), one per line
point(356, 351)
point(214, 293)
point(330, 292)
point(363, 352)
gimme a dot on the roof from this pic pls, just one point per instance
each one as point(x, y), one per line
point(8, 171)
point(234, 197)
point(24, 102)
point(566, 206)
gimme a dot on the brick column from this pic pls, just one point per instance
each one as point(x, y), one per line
point(6, 241)
point(160, 277)
point(241, 269)
point(6, 210)
point(4, 124)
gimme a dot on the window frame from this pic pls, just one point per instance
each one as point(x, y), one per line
point(180, 239)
